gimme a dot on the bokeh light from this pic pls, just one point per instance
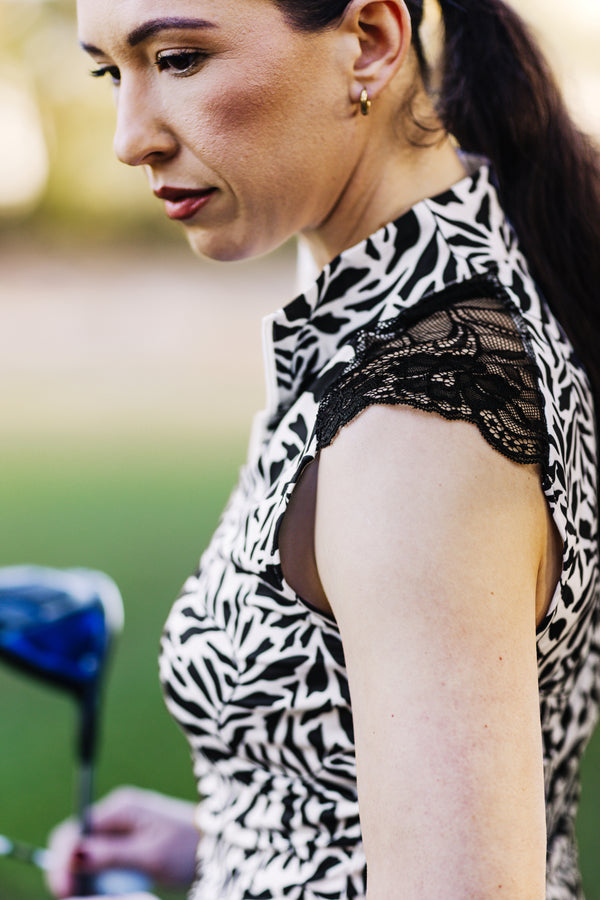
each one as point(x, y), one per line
point(24, 164)
point(55, 154)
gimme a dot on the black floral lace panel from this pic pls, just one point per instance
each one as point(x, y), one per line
point(465, 359)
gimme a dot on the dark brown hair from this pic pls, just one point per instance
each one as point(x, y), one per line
point(499, 99)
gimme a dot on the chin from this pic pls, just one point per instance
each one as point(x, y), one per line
point(225, 248)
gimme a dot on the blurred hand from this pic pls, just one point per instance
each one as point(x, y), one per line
point(132, 829)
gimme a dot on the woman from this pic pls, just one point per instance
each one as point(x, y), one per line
point(416, 526)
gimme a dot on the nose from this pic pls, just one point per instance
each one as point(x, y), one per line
point(141, 136)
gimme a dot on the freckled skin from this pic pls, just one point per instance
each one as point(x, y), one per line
point(267, 119)
point(270, 120)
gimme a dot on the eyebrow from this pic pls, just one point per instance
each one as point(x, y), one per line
point(149, 29)
point(152, 27)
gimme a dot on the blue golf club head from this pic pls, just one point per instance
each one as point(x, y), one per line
point(57, 625)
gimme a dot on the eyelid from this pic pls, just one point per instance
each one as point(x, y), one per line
point(194, 56)
point(101, 71)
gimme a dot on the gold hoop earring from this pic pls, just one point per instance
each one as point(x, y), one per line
point(365, 103)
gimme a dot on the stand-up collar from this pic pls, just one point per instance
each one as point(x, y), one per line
point(440, 241)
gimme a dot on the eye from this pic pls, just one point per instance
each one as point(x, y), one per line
point(101, 71)
point(180, 62)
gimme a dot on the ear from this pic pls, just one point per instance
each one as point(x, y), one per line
point(382, 29)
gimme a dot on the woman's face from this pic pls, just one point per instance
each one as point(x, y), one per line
point(245, 127)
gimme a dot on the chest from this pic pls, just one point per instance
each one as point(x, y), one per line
point(248, 671)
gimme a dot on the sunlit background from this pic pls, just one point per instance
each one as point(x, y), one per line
point(129, 372)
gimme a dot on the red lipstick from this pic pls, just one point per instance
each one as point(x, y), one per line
point(182, 203)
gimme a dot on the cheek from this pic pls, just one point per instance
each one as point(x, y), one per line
point(249, 119)
point(266, 125)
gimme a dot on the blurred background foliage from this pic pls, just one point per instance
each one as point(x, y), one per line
point(58, 176)
point(57, 173)
point(129, 372)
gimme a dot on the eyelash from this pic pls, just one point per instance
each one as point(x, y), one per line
point(166, 61)
point(107, 70)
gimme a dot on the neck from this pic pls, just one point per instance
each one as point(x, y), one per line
point(380, 191)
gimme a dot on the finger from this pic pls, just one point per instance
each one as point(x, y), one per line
point(120, 810)
point(98, 852)
point(88, 855)
point(63, 844)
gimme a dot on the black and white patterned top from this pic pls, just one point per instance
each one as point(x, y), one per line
point(436, 310)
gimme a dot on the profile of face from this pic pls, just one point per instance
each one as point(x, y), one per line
point(247, 127)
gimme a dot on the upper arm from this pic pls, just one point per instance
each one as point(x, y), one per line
point(429, 544)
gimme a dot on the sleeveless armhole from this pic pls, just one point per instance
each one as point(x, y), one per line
point(465, 358)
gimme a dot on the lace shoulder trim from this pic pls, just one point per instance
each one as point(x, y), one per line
point(463, 358)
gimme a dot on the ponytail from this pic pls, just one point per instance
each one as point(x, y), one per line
point(499, 99)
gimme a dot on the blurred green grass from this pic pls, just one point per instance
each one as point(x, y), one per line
point(142, 513)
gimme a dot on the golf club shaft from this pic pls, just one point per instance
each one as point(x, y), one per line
point(84, 882)
point(26, 853)
point(122, 881)
point(85, 796)
point(88, 715)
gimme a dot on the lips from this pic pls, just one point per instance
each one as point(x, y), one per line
point(181, 203)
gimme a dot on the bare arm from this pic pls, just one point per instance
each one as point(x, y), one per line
point(428, 545)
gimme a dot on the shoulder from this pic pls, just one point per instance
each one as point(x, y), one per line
point(416, 491)
point(436, 431)
point(460, 354)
